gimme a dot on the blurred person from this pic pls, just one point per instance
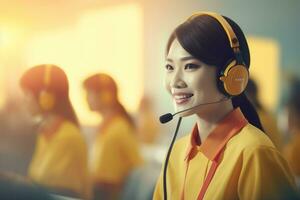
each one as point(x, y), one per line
point(59, 162)
point(227, 155)
point(147, 126)
point(292, 148)
point(15, 187)
point(269, 122)
point(115, 152)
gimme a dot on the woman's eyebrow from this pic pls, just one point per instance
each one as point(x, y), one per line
point(169, 60)
point(187, 58)
point(183, 58)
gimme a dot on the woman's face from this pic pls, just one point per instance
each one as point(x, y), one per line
point(93, 99)
point(190, 81)
point(31, 103)
point(99, 101)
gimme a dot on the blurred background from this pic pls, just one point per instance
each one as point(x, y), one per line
point(127, 39)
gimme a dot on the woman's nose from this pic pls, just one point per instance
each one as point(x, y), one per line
point(178, 81)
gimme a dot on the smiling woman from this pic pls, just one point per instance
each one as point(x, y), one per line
point(190, 81)
point(227, 155)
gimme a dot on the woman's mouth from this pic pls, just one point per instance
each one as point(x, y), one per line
point(182, 98)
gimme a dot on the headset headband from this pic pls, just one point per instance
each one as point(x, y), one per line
point(234, 42)
point(47, 75)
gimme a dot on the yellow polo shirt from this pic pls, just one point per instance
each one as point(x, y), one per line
point(60, 159)
point(115, 152)
point(250, 167)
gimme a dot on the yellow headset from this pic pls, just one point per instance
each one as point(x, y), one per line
point(46, 98)
point(233, 78)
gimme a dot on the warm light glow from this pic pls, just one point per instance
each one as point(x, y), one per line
point(11, 38)
point(265, 60)
point(5, 38)
point(3, 95)
point(107, 40)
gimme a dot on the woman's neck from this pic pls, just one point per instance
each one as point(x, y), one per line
point(107, 113)
point(49, 119)
point(207, 121)
point(51, 116)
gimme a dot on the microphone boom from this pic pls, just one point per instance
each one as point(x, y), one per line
point(168, 117)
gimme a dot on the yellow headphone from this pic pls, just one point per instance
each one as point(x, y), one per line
point(233, 78)
point(46, 98)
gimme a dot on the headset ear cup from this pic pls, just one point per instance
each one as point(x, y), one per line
point(106, 97)
point(46, 100)
point(235, 79)
point(221, 73)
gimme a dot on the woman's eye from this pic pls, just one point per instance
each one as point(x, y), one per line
point(191, 66)
point(169, 67)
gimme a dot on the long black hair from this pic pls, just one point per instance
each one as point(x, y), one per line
point(205, 39)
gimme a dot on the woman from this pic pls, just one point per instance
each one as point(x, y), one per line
point(59, 162)
point(115, 149)
point(226, 156)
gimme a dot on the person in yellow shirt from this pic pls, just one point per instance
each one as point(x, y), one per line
point(292, 148)
point(115, 150)
point(268, 120)
point(59, 162)
point(226, 155)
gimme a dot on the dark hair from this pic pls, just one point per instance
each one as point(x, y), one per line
point(252, 94)
point(206, 40)
point(33, 80)
point(103, 82)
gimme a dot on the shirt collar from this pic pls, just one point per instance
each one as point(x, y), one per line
point(229, 126)
point(48, 131)
point(107, 121)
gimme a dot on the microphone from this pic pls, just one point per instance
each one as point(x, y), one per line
point(169, 116)
point(166, 118)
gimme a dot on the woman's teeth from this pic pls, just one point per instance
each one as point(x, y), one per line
point(182, 98)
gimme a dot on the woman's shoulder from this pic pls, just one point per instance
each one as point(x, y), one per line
point(180, 146)
point(183, 141)
point(121, 121)
point(68, 126)
point(119, 125)
point(69, 130)
point(250, 137)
